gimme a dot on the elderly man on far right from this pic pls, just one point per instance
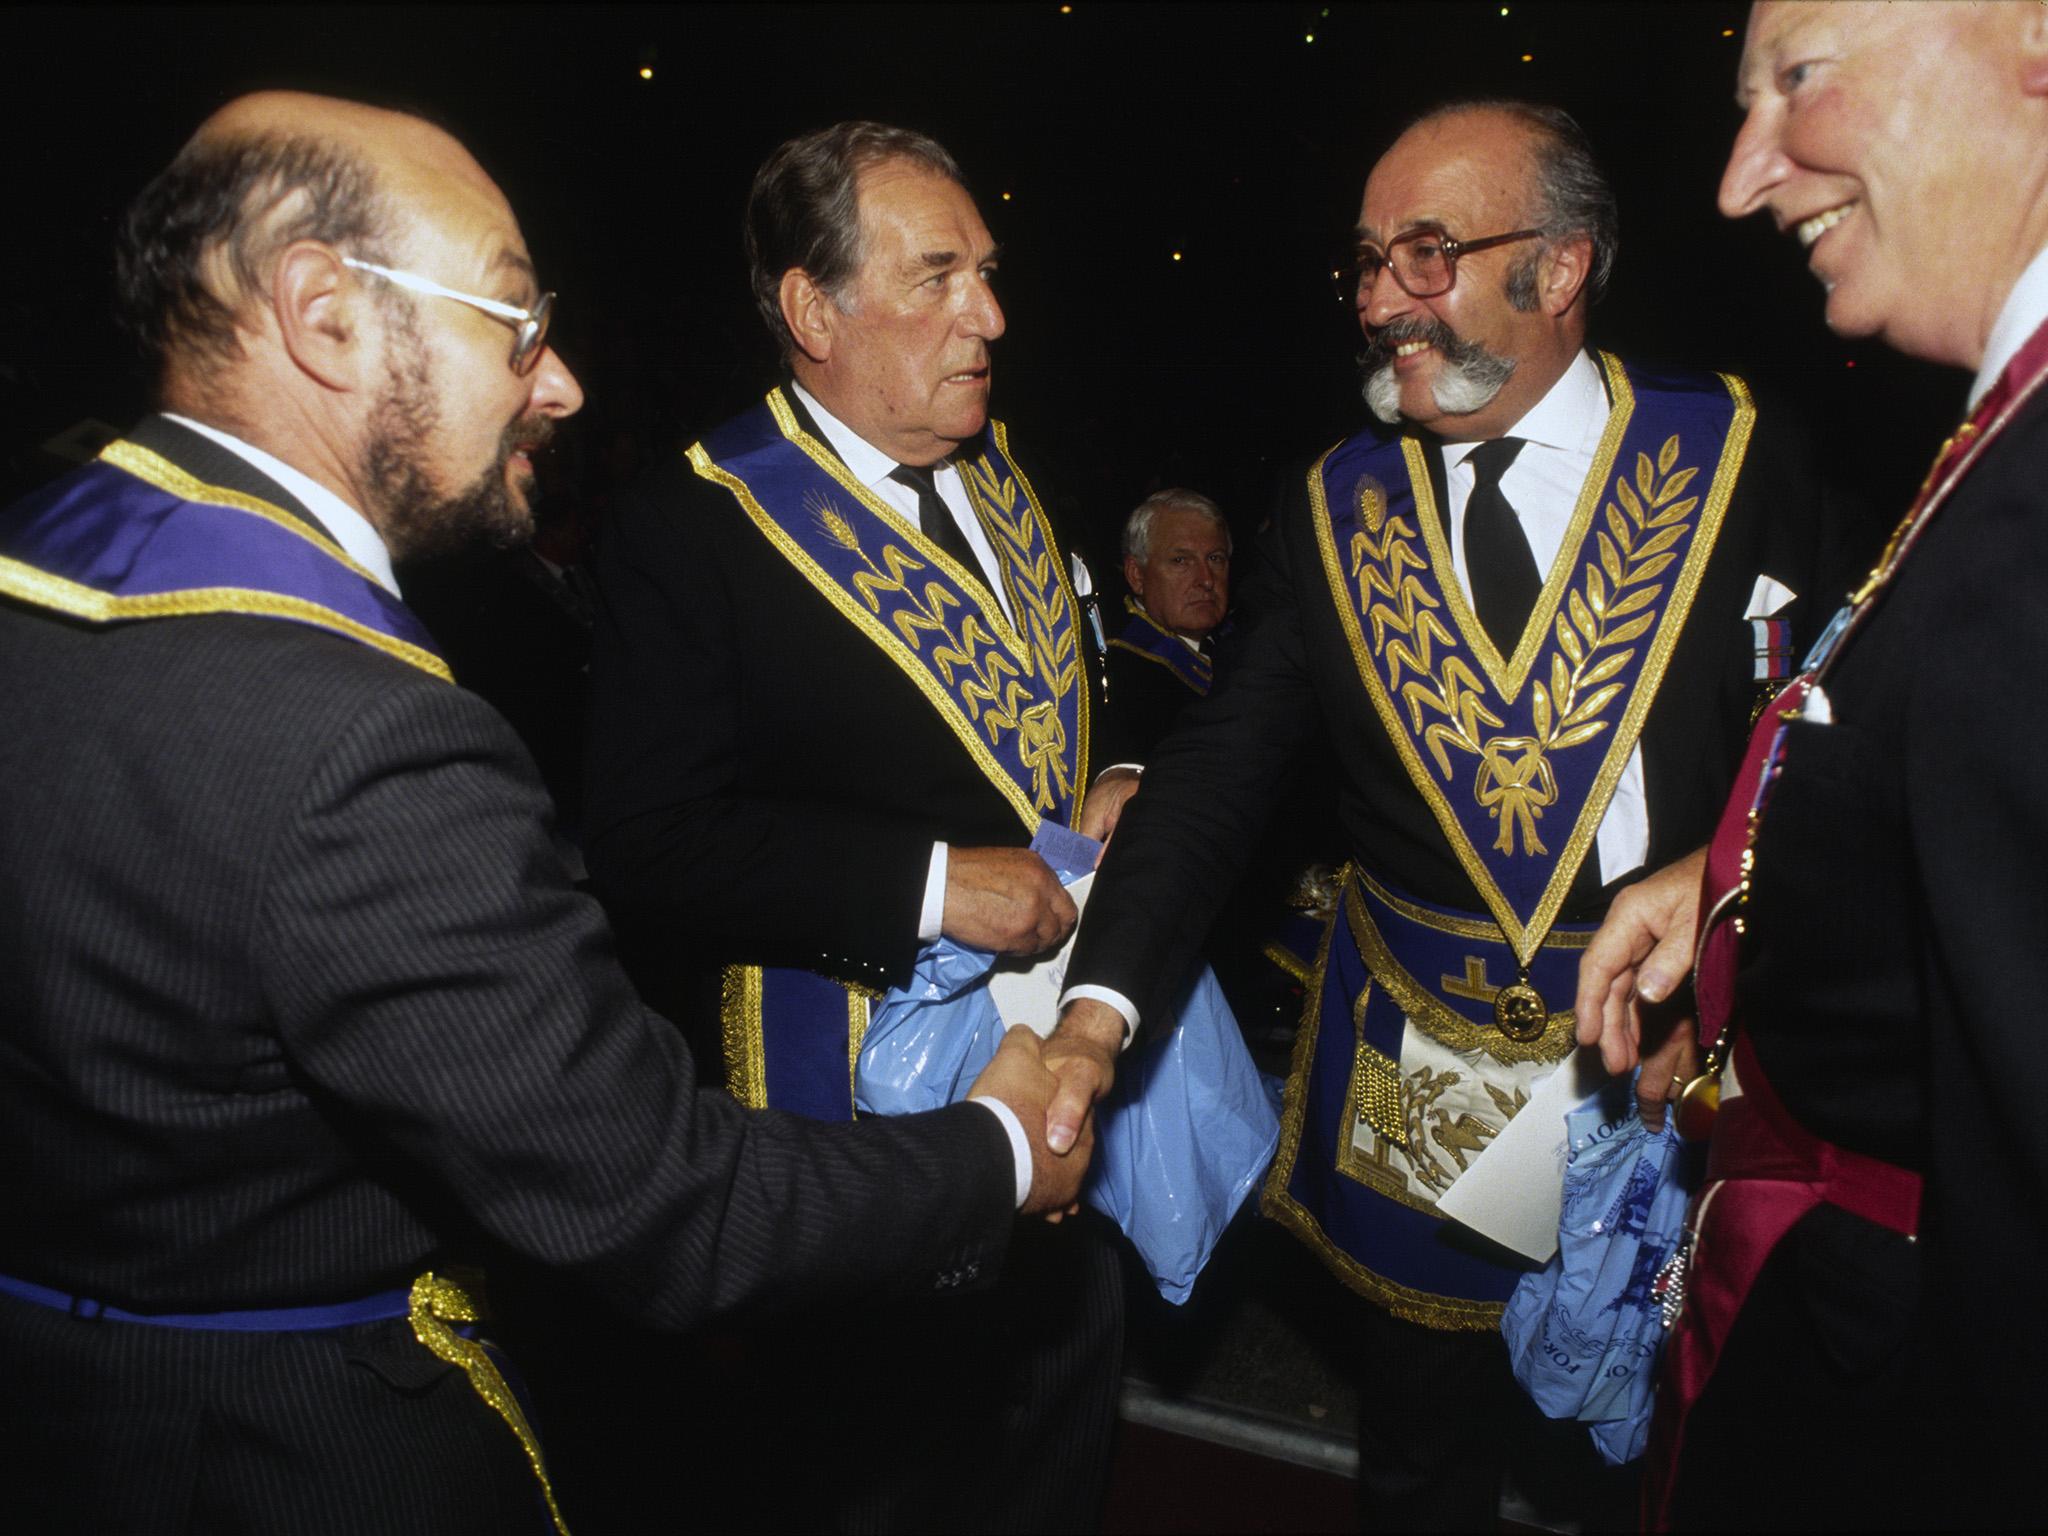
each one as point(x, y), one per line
point(1857, 1346)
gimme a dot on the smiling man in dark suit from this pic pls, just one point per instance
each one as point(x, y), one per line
point(1879, 1157)
point(1526, 610)
point(299, 1008)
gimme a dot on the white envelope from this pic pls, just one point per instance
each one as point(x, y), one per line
point(1514, 1190)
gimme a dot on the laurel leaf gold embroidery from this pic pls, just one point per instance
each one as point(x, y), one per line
point(1569, 642)
point(1588, 707)
point(1634, 629)
point(1619, 524)
point(1649, 568)
point(1642, 597)
point(1578, 735)
point(1604, 668)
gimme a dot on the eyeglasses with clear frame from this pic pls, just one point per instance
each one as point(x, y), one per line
point(529, 326)
point(1424, 262)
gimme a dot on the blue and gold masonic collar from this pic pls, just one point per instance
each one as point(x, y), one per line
point(1517, 756)
point(1013, 695)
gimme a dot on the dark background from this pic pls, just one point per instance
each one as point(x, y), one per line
point(1121, 133)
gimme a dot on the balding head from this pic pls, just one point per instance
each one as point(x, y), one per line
point(333, 284)
point(198, 246)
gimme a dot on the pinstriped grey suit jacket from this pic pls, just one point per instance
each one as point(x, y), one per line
point(295, 1002)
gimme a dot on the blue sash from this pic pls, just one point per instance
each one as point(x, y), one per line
point(1518, 756)
point(1014, 696)
point(131, 536)
point(1143, 637)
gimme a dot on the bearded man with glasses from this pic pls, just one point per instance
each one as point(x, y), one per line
point(1531, 611)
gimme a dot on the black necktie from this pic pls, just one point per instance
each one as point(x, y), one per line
point(1505, 581)
point(934, 517)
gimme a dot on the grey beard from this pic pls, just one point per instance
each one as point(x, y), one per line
point(1469, 380)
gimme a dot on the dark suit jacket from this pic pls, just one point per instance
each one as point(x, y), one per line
point(1892, 982)
point(297, 1003)
point(1146, 697)
point(764, 785)
point(1210, 786)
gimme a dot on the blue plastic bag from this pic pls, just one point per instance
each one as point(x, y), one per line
point(1182, 1139)
point(1585, 1331)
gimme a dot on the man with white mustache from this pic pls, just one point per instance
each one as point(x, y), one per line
point(1531, 615)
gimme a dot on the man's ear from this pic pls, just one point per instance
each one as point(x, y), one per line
point(1566, 267)
point(1134, 577)
point(2033, 51)
point(808, 311)
point(320, 313)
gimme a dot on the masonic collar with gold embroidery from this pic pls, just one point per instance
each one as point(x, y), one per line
point(1144, 636)
point(132, 536)
point(1013, 695)
point(1518, 756)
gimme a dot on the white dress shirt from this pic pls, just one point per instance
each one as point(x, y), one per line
point(1560, 436)
point(348, 527)
point(2022, 314)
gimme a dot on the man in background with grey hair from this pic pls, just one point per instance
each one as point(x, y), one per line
point(1527, 612)
point(1177, 549)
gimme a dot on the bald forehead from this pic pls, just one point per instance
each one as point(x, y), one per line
point(1448, 171)
point(423, 172)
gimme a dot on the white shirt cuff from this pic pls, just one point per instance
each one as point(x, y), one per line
point(1137, 768)
point(1020, 1144)
point(1115, 999)
point(931, 917)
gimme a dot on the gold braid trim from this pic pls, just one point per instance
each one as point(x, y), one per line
point(746, 1057)
point(1276, 1204)
point(82, 602)
point(154, 469)
point(437, 1303)
point(1287, 960)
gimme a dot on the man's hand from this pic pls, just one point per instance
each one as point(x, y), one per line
point(1105, 803)
point(1006, 900)
point(1018, 1075)
point(1667, 1068)
point(1641, 955)
point(1082, 1054)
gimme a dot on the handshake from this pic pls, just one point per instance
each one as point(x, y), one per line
point(1052, 1086)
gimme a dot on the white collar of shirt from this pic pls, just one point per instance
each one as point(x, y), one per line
point(1561, 433)
point(2026, 307)
point(870, 466)
point(1570, 417)
point(873, 469)
point(349, 528)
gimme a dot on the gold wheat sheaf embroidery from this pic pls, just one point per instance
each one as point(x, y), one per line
point(994, 688)
point(1596, 627)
